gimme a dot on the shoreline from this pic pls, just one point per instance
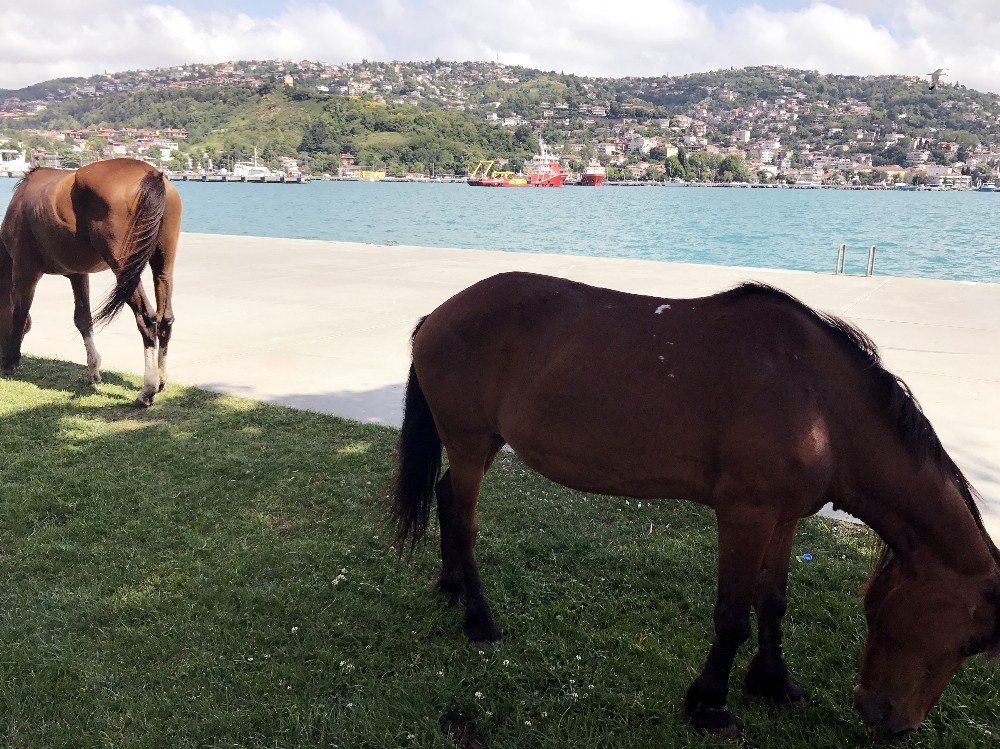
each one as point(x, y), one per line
point(325, 326)
point(219, 179)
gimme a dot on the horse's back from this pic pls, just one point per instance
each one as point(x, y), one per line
point(112, 175)
point(106, 192)
point(622, 393)
point(71, 221)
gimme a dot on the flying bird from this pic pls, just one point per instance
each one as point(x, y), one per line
point(936, 78)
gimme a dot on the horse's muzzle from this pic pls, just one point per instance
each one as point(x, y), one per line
point(877, 713)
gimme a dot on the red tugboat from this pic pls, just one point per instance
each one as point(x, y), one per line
point(594, 175)
point(542, 171)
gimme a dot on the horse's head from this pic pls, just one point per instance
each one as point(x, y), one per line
point(920, 629)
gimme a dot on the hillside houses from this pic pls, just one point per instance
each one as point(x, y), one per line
point(781, 122)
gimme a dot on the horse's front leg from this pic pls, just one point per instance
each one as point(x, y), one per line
point(744, 536)
point(15, 319)
point(145, 320)
point(767, 676)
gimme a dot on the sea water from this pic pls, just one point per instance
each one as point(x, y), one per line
point(953, 235)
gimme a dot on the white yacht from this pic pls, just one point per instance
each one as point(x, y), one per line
point(13, 163)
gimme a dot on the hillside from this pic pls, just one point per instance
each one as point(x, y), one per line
point(442, 116)
point(232, 121)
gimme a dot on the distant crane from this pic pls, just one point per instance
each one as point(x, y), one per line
point(936, 78)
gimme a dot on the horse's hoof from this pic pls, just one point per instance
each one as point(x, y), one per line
point(144, 400)
point(163, 384)
point(779, 690)
point(453, 590)
point(485, 631)
point(785, 695)
point(9, 368)
point(715, 720)
point(92, 378)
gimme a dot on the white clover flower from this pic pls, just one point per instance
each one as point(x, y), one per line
point(294, 630)
point(479, 695)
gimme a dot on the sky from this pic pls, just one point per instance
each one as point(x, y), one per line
point(44, 39)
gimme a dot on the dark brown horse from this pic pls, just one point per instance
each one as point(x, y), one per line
point(120, 214)
point(748, 402)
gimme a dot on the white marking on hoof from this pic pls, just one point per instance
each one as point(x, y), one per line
point(150, 381)
point(93, 375)
point(161, 366)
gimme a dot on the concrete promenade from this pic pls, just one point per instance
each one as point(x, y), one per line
point(325, 326)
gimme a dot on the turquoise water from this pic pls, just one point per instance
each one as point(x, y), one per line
point(929, 234)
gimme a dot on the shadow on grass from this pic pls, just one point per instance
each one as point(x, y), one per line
point(214, 571)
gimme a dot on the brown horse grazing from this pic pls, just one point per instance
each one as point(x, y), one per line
point(748, 402)
point(120, 214)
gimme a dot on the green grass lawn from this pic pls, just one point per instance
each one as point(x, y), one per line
point(214, 572)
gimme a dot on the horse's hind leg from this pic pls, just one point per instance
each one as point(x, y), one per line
point(162, 265)
point(767, 677)
point(452, 581)
point(467, 465)
point(744, 536)
point(85, 324)
point(145, 320)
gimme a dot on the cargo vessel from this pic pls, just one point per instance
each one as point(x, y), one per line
point(543, 170)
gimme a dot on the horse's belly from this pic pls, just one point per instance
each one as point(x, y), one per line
point(619, 467)
point(74, 263)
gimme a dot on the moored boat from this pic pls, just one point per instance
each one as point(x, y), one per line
point(987, 187)
point(594, 175)
point(543, 170)
point(13, 163)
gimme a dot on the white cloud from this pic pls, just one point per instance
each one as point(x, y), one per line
point(50, 38)
point(594, 37)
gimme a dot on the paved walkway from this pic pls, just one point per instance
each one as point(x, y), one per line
point(325, 326)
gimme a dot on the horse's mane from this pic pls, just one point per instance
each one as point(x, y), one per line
point(14, 218)
point(910, 421)
point(24, 177)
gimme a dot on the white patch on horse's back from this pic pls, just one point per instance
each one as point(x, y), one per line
point(659, 310)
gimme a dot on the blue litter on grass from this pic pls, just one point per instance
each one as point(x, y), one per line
point(807, 557)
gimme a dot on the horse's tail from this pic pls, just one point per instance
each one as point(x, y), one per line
point(419, 464)
point(141, 241)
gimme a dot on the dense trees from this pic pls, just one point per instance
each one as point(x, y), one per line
point(229, 123)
